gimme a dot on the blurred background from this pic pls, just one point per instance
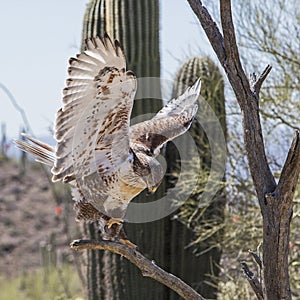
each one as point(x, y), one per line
point(202, 242)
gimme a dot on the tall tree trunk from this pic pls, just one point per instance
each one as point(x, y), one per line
point(275, 200)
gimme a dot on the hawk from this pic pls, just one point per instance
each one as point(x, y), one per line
point(105, 160)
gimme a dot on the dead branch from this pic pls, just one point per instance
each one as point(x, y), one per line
point(17, 107)
point(253, 280)
point(147, 267)
point(211, 29)
point(258, 83)
point(233, 62)
point(256, 258)
point(291, 169)
point(228, 55)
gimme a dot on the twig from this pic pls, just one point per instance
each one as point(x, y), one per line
point(147, 267)
point(256, 258)
point(261, 79)
point(252, 279)
point(17, 107)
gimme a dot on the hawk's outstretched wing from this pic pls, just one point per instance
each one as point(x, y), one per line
point(171, 121)
point(92, 127)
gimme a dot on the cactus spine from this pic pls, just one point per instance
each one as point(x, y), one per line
point(135, 23)
point(198, 269)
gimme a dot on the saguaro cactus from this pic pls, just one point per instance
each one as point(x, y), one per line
point(135, 23)
point(189, 227)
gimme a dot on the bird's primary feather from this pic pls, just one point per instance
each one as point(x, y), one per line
point(97, 103)
point(171, 121)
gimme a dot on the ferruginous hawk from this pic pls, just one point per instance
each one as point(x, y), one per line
point(107, 161)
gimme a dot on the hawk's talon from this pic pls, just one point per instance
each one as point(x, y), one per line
point(127, 243)
point(113, 221)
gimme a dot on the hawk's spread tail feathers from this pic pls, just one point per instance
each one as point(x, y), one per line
point(43, 152)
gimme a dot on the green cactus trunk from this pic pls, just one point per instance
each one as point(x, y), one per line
point(135, 23)
point(195, 269)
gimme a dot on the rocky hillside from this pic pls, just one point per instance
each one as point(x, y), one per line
point(30, 216)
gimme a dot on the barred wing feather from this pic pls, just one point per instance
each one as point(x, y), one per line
point(92, 126)
point(171, 121)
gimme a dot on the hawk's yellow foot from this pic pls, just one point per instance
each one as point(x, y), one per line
point(113, 221)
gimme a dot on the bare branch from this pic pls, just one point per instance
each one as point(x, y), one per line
point(256, 257)
point(275, 201)
point(147, 267)
point(231, 49)
point(261, 79)
point(254, 282)
point(228, 55)
point(291, 169)
point(233, 66)
point(17, 107)
point(211, 29)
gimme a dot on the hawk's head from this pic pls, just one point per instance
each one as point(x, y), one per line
point(149, 170)
point(154, 179)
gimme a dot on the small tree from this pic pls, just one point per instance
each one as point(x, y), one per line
point(275, 199)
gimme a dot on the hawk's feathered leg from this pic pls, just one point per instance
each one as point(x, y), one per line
point(109, 228)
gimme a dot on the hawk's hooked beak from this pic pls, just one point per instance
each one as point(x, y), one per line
point(152, 188)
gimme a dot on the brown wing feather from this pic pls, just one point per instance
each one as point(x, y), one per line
point(97, 103)
point(172, 120)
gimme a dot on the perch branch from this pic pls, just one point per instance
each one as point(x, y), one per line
point(147, 267)
point(253, 280)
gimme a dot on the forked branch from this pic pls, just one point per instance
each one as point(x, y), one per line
point(147, 267)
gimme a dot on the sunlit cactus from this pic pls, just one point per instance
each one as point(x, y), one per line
point(135, 24)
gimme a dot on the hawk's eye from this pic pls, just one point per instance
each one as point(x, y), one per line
point(149, 152)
